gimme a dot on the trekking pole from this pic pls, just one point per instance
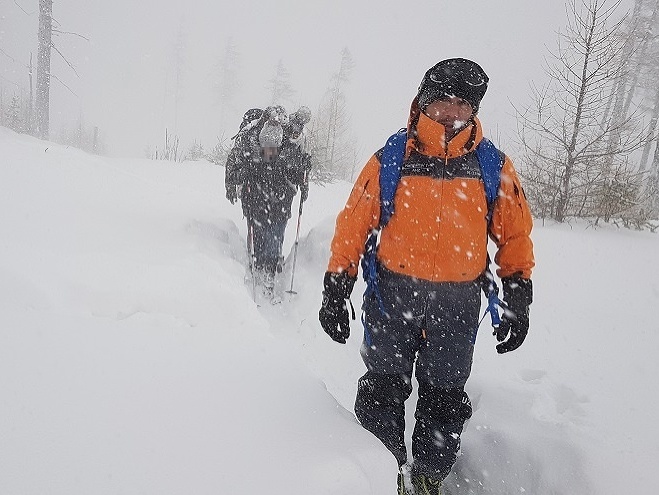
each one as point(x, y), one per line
point(297, 241)
point(250, 251)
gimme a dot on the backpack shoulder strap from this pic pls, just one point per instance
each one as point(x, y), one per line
point(391, 162)
point(490, 160)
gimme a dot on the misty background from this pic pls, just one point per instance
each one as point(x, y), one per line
point(133, 53)
point(147, 259)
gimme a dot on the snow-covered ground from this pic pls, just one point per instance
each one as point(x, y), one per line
point(134, 360)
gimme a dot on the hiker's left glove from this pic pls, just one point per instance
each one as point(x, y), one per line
point(333, 315)
point(518, 296)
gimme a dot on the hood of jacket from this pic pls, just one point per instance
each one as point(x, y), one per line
point(429, 137)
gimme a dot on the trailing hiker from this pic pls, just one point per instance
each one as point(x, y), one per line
point(264, 169)
point(420, 215)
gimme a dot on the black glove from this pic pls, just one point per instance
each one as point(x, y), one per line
point(518, 296)
point(304, 191)
point(333, 315)
point(232, 194)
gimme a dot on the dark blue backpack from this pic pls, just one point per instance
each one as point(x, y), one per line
point(490, 160)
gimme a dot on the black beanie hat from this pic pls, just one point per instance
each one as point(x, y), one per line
point(453, 77)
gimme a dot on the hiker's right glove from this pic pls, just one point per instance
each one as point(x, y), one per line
point(333, 315)
point(232, 194)
point(518, 296)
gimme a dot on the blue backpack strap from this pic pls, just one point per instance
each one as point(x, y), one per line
point(391, 163)
point(490, 160)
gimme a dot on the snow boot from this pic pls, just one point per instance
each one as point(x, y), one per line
point(426, 486)
point(402, 488)
point(269, 287)
point(404, 482)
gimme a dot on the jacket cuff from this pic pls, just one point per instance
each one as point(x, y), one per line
point(339, 284)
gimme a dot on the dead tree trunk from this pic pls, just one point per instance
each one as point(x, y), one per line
point(651, 137)
point(42, 97)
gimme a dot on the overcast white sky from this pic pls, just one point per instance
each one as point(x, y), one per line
point(126, 65)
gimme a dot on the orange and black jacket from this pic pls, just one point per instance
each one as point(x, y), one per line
point(439, 230)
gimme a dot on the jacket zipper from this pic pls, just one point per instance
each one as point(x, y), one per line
point(442, 180)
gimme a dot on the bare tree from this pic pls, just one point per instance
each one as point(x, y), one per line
point(170, 150)
point(576, 157)
point(41, 124)
point(178, 66)
point(81, 135)
point(651, 136)
point(334, 148)
point(640, 29)
point(648, 70)
point(42, 97)
point(228, 82)
point(30, 112)
point(652, 190)
point(218, 154)
point(280, 87)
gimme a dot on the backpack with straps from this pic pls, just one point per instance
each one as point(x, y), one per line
point(490, 160)
point(250, 118)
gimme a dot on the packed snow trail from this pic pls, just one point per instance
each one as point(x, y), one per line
point(132, 358)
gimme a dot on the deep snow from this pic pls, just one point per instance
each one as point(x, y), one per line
point(134, 360)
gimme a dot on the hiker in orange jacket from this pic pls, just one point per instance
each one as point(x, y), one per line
point(431, 265)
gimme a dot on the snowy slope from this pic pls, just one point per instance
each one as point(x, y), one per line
point(133, 359)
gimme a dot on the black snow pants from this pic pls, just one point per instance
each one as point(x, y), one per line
point(430, 326)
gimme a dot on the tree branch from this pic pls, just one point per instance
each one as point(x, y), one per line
point(25, 11)
point(63, 84)
point(57, 31)
point(64, 58)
